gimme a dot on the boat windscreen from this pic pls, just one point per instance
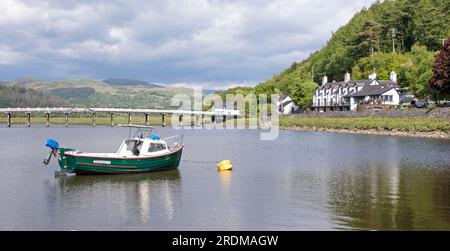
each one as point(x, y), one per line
point(134, 146)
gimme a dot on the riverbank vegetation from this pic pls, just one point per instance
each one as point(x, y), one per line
point(370, 123)
point(367, 123)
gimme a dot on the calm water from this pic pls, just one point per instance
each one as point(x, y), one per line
point(302, 181)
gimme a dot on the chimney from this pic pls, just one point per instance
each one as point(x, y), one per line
point(393, 76)
point(347, 77)
point(324, 80)
point(373, 76)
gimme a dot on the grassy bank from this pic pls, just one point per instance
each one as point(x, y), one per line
point(368, 123)
point(379, 124)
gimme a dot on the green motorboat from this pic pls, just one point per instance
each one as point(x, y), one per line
point(136, 154)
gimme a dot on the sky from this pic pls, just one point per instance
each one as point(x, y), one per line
point(212, 43)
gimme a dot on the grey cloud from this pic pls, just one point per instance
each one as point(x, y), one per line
point(164, 41)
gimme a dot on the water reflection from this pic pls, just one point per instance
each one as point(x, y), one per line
point(302, 181)
point(130, 195)
point(225, 180)
point(390, 197)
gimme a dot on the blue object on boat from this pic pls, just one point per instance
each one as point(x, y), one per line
point(52, 144)
point(154, 137)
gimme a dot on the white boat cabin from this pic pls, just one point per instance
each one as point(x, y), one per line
point(142, 147)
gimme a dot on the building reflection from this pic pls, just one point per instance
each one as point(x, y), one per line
point(138, 197)
point(388, 196)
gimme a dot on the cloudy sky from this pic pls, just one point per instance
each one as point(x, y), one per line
point(215, 42)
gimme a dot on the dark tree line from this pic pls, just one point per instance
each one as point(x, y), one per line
point(22, 97)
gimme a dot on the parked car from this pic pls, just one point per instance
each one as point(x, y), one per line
point(445, 104)
point(420, 104)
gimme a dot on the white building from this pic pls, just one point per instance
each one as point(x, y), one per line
point(347, 95)
point(287, 106)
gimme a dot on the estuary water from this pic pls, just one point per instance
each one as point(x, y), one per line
point(301, 181)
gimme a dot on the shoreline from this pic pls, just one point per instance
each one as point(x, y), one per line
point(103, 121)
point(415, 134)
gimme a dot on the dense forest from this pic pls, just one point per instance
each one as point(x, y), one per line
point(17, 96)
point(393, 35)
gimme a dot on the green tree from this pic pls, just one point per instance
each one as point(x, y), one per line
point(417, 72)
point(432, 22)
point(382, 63)
point(367, 40)
point(302, 92)
point(267, 88)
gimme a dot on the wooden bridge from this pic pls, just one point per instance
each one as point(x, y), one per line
point(225, 113)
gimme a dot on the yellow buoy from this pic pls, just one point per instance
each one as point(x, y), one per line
point(225, 165)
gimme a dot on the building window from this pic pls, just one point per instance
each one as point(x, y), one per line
point(388, 98)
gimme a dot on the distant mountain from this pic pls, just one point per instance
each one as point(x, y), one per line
point(94, 93)
point(47, 86)
point(208, 91)
point(25, 82)
point(17, 96)
point(129, 82)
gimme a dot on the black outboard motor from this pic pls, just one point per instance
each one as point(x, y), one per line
point(54, 146)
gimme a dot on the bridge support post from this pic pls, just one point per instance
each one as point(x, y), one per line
point(180, 119)
point(197, 120)
point(94, 116)
point(66, 118)
point(112, 119)
point(163, 119)
point(129, 118)
point(47, 118)
point(146, 119)
point(28, 119)
point(8, 119)
point(203, 119)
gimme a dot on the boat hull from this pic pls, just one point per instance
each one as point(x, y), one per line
point(80, 164)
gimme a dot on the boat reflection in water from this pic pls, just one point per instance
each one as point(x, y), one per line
point(127, 196)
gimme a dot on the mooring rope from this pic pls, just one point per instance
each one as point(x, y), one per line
point(200, 162)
